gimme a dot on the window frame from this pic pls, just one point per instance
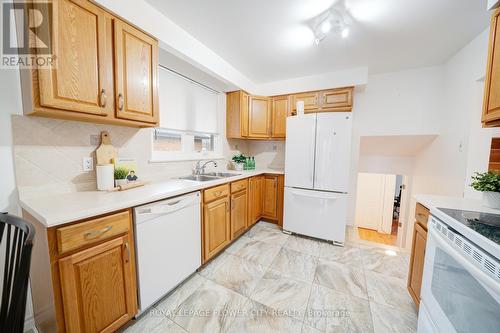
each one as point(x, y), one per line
point(188, 153)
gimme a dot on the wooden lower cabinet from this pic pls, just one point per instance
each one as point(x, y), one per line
point(270, 197)
point(255, 199)
point(239, 213)
point(417, 262)
point(216, 226)
point(83, 275)
point(98, 291)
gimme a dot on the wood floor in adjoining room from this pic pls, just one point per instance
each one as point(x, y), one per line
point(377, 237)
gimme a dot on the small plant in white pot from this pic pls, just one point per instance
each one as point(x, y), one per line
point(239, 161)
point(489, 184)
point(121, 176)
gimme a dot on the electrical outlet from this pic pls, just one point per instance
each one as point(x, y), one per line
point(88, 164)
point(275, 148)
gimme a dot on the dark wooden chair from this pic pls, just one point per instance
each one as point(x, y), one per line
point(16, 243)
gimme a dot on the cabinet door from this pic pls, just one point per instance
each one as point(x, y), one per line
point(258, 198)
point(259, 117)
point(136, 75)
point(98, 287)
point(82, 78)
point(244, 106)
point(216, 226)
point(491, 108)
point(280, 110)
point(417, 262)
point(239, 213)
point(254, 200)
point(270, 190)
point(336, 100)
point(311, 100)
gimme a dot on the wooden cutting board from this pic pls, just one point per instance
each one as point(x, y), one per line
point(106, 153)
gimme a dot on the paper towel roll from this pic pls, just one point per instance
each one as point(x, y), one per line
point(300, 108)
point(105, 177)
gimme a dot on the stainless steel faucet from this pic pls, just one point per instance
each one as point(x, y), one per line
point(200, 168)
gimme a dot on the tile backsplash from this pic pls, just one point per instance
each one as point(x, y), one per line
point(48, 154)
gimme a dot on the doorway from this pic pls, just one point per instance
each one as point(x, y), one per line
point(379, 199)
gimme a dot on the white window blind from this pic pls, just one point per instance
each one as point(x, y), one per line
point(186, 105)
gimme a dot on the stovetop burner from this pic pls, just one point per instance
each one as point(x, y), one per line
point(485, 224)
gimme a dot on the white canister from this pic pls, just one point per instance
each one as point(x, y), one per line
point(300, 108)
point(491, 199)
point(105, 177)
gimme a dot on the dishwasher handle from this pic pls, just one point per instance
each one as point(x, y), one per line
point(168, 206)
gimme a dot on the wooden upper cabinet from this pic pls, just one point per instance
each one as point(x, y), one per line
point(491, 103)
point(136, 76)
point(81, 79)
point(259, 117)
point(336, 100)
point(104, 70)
point(270, 197)
point(98, 288)
point(310, 99)
point(216, 226)
point(237, 114)
point(279, 111)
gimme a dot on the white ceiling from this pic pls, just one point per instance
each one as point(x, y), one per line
point(267, 40)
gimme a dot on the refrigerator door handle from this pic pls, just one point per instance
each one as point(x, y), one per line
point(313, 194)
point(313, 155)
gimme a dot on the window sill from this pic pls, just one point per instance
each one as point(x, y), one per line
point(163, 159)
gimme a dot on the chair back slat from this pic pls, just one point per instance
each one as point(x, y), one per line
point(16, 243)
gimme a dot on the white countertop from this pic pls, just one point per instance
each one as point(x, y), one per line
point(53, 210)
point(433, 202)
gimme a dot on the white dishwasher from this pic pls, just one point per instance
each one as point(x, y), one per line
point(168, 245)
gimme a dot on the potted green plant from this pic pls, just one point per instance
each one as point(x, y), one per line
point(121, 176)
point(489, 184)
point(239, 161)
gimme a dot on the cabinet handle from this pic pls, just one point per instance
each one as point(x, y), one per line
point(97, 233)
point(127, 252)
point(120, 101)
point(218, 193)
point(103, 98)
point(232, 204)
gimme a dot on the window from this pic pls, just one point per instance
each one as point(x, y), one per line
point(189, 116)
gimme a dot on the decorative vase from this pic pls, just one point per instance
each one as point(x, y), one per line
point(119, 182)
point(238, 166)
point(491, 199)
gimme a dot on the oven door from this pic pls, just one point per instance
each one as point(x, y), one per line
point(461, 284)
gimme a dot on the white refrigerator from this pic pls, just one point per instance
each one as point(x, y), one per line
point(317, 164)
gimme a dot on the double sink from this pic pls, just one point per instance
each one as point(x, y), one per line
point(204, 177)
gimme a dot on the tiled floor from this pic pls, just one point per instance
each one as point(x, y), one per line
point(268, 281)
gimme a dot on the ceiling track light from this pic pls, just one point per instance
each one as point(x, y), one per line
point(330, 21)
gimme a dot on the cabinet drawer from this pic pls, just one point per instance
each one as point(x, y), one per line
point(215, 193)
point(239, 185)
point(422, 214)
point(89, 232)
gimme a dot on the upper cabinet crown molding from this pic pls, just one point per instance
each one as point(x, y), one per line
point(105, 70)
point(491, 102)
point(264, 118)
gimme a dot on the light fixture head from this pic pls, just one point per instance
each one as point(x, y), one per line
point(345, 32)
point(330, 21)
point(326, 26)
